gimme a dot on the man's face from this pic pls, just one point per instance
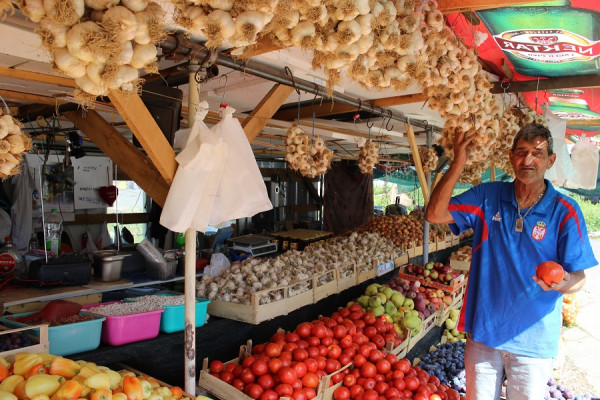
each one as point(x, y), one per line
point(530, 160)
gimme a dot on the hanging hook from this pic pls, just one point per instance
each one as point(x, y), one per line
point(369, 123)
point(223, 104)
point(5, 105)
point(388, 122)
point(289, 73)
point(312, 104)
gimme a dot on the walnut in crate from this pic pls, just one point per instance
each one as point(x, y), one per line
point(368, 157)
point(307, 155)
point(13, 144)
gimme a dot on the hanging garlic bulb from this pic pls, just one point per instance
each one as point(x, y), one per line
point(143, 54)
point(247, 25)
point(308, 156)
point(303, 35)
point(100, 5)
point(69, 65)
point(193, 18)
point(89, 42)
point(368, 157)
point(219, 26)
point(52, 34)
point(135, 5)
point(34, 10)
point(120, 23)
point(66, 12)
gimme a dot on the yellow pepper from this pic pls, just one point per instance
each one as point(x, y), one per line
point(163, 392)
point(125, 372)
point(101, 380)
point(101, 394)
point(42, 384)
point(9, 384)
point(85, 390)
point(20, 390)
point(64, 367)
point(115, 377)
point(146, 388)
point(7, 396)
point(119, 396)
point(69, 390)
point(4, 371)
point(40, 397)
point(47, 357)
point(87, 371)
point(132, 388)
point(155, 396)
point(23, 364)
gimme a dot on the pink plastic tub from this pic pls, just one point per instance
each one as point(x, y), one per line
point(118, 330)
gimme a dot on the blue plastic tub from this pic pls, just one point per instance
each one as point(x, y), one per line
point(70, 338)
point(173, 318)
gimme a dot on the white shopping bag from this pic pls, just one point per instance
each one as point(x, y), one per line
point(194, 188)
point(584, 156)
point(562, 170)
point(242, 191)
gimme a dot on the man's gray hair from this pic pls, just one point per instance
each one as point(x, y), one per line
point(532, 131)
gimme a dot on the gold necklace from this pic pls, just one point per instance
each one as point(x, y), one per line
point(519, 223)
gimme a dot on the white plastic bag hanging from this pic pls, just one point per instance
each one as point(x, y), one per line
point(584, 156)
point(218, 264)
point(242, 191)
point(562, 170)
point(194, 188)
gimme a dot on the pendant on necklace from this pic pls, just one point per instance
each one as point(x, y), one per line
point(519, 225)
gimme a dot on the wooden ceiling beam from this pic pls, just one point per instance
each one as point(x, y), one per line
point(262, 46)
point(417, 160)
point(142, 124)
point(37, 77)
point(581, 81)
point(327, 108)
point(264, 111)
point(31, 98)
point(583, 122)
point(454, 6)
point(123, 153)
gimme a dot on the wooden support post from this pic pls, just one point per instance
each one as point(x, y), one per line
point(122, 152)
point(493, 173)
point(417, 158)
point(262, 113)
point(145, 129)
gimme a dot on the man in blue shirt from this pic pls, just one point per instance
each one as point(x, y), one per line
point(512, 318)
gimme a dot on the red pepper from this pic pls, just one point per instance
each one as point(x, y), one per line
point(132, 388)
point(37, 369)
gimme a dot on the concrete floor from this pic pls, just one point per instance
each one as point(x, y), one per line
point(581, 371)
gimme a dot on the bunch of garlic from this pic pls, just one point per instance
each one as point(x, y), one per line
point(99, 43)
point(429, 159)
point(13, 144)
point(307, 155)
point(6, 6)
point(368, 157)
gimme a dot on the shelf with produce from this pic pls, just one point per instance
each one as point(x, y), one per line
point(36, 335)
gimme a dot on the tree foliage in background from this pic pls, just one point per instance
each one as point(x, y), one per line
point(590, 211)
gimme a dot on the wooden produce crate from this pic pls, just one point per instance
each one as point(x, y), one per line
point(401, 260)
point(253, 313)
point(428, 324)
point(440, 243)
point(401, 350)
point(455, 240)
point(325, 284)
point(448, 240)
point(325, 389)
point(444, 313)
point(41, 343)
point(347, 276)
point(454, 285)
point(364, 276)
point(460, 265)
point(418, 250)
point(432, 246)
point(296, 298)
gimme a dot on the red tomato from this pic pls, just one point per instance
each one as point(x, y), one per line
point(370, 331)
point(411, 382)
point(266, 381)
point(346, 341)
point(299, 354)
point(375, 355)
point(334, 351)
point(397, 374)
point(550, 272)
point(419, 396)
point(313, 341)
point(303, 330)
point(284, 389)
point(349, 380)
point(248, 361)
point(360, 324)
point(323, 350)
point(278, 337)
point(356, 391)
point(392, 392)
point(290, 347)
point(435, 396)
point(336, 378)
point(369, 384)
point(247, 376)
point(287, 375)
point(370, 394)
point(327, 341)
point(345, 359)
point(258, 349)
point(302, 344)
point(310, 380)
point(369, 319)
point(452, 394)
point(216, 367)
point(300, 369)
point(238, 384)
point(237, 370)
point(380, 326)
point(227, 376)
point(424, 389)
point(399, 384)
point(359, 360)
point(341, 393)
point(383, 366)
point(297, 384)
point(259, 367)
point(393, 359)
point(274, 365)
point(229, 367)
point(254, 390)
point(319, 331)
point(379, 341)
point(344, 312)
point(381, 387)
point(402, 365)
point(368, 370)
point(332, 365)
point(312, 351)
point(311, 365)
point(292, 337)
point(309, 393)
point(321, 362)
point(269, 395)
point(339, 331)
point(298, 395)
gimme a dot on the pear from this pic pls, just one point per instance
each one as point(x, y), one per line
point(397, 316)
point(382, 297)
point(450, 324)
point(411, 322)
point(454, 314)
point(455, 332)
point(372, 289)
point(387, 291)
point(398, 299)
point(390, 308)
point(378, 311)
point(408, 303)
point(398, 328)
point(363, 301)
point(374, 301)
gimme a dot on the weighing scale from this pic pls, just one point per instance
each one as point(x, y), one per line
point(254, 244)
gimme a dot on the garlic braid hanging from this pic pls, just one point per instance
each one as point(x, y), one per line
point(310, 158)
point(13, 144)
point(368, 157)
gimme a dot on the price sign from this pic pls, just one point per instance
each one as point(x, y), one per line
point(385, 267)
